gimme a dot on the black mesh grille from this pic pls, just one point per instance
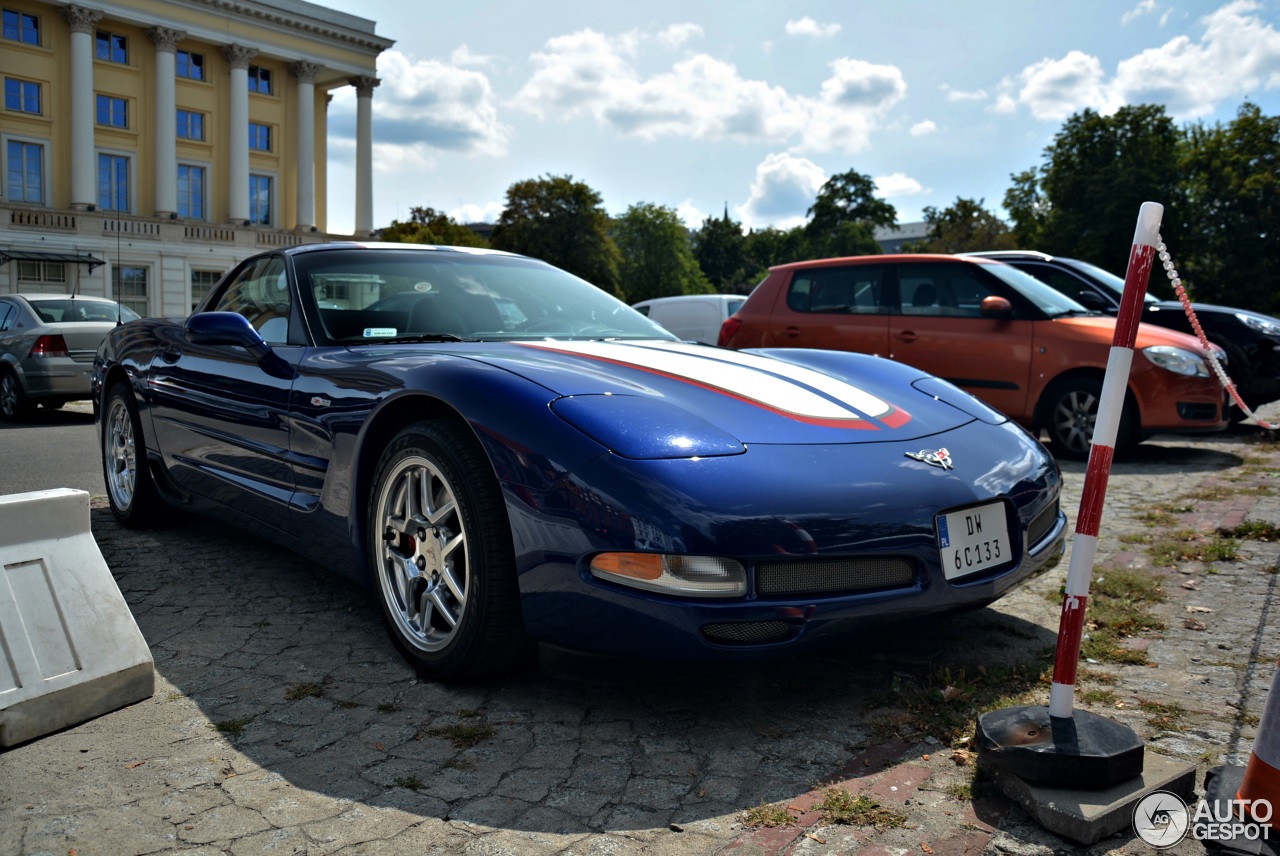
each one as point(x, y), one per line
point(747, 632)
point(831, 576)
point(1197, 411)
point(1043, 523)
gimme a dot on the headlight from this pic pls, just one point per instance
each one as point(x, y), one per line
point(1177, 360)
point(689, 576)
point(1265, 326)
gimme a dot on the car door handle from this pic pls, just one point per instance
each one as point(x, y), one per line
point(906, 336)
point(171, 354)
point(791, 332)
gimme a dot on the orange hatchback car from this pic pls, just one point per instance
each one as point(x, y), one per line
point(990, 329)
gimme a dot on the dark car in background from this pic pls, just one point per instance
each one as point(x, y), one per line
point(47, 343)
point(1251, 339)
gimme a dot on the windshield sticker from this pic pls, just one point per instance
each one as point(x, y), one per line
point(379, 332)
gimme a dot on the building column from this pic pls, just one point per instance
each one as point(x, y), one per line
point(166, 41)
point(83, 184)
point(364, 153)
point(306, 208)
point(238, 179)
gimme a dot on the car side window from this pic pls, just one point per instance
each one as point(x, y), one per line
point(261, 294)
point(853, 290)
point(942, 290)
point(7, 314)
point(1059, 280)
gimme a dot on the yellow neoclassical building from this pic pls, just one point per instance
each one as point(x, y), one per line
point(147, 146)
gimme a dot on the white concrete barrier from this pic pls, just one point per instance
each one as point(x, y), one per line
point(70, 648)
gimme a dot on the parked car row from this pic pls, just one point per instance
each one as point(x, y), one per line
point(991, 329)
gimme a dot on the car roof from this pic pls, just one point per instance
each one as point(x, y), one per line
point(37, 298)
point(390, 245)
point(1013, 254)
point(889, 258)
point(684, 298)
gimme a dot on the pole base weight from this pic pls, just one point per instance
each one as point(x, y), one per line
point(1081, 751)
point(1220, 787)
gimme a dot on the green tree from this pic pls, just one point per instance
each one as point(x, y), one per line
point(1095, 176)
point(657, 258)
point(429, 226)
point(1229, 252)
point(721, 251)
point(962, 227)
point(843, 218)
point(1028, 208)
point(769, 247)
point(560, 221)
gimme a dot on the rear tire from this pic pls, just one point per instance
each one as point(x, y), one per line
point(131, 491)
point(1070, 409)
point(441, 556)
point(14, 404)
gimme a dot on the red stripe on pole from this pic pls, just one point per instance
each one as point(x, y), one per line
point(1094, 494)
point(1141, 259)
point(1070, 632)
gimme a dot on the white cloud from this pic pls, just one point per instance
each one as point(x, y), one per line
point(462, 56)
point(806, 26)
point(897, 184)
point(920, 129)
point(960, 95)
point(472, 213)
point(1238, 53)
point(424, 106)
point(690, 214)
point(702, 97)
point(677, 34)
point(1144, 7)
point(782, 191)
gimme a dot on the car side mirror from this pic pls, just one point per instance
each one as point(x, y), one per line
point(995, 306)
point(225, 328)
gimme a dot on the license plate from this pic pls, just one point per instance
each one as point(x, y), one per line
point(973, 540)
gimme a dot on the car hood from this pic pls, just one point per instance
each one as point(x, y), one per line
point(1103, 328)
point(664, 390)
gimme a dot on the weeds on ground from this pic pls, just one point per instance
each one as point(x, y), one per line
point(767, 815)
point(1118, 608)
point(1188, 545)
point(231, 727)
point(387, 707)
point(463, 736)
point(947, 702)
point(1163, 716)
point(1253, 530)
point(295, 692)
point(413, 783)
point(840, 806)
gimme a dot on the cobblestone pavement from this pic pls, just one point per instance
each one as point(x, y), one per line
point(284, 722)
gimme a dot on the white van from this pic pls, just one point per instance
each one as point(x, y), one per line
point(692, 317)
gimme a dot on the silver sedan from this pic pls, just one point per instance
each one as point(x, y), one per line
point(47, 343)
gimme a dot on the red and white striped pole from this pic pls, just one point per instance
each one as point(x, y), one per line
point(1093, 494)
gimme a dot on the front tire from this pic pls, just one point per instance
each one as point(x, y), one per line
point(441, 555)
point(1071, 414)
point(131, 491)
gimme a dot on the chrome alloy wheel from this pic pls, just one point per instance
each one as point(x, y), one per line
point(120, 452)
point(422, 565)
point(1074, 418)
point(10, 395)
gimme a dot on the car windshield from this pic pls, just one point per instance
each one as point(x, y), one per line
point(1107, 280)
point(383, 294)
point(72, 311)
point(1049, 301)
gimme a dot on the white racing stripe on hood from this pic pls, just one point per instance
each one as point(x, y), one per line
point(743, 375)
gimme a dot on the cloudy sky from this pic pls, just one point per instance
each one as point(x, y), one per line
point(702, 104)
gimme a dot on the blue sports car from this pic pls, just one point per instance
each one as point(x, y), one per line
point(509, 455)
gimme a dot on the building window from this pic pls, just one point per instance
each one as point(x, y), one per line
point(21, 27)
point(259, 137)
point(259, 79)
point(42, 273)
point(113, 112)
point(202, 282)
point(25, 172)
point(190, 125)
point(260, 199)
point(21, 96)
point(191, 192)
point(190, 65)
point(129, 287)
point(110, 47)
point(113, 182)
